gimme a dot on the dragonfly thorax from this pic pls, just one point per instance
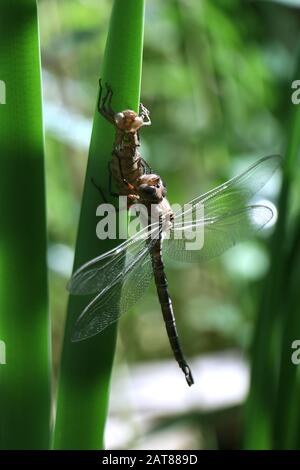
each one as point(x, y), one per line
point(151, 189)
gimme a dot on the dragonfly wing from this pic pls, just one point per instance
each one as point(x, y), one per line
point(105, 270)
point(205, 239)
point(235, 193)
point(109, 305)
point(223, 216)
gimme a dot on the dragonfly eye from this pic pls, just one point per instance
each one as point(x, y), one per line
point(149, 189)
point(147, 192)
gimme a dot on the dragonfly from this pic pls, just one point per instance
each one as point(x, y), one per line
point(118, 278)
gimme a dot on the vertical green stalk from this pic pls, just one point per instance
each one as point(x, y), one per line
point(286, 433)
point(24, 320)
point(83, 389)
point(265, 348)
point(273, 322)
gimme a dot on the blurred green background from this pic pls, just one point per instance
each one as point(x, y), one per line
point(217, 79)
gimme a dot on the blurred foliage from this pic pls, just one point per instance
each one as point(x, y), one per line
point(217, 79)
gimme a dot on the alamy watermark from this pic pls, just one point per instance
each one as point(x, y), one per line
point(2, 101)
point(2, 353)
point(295, 357)
point(2, 92)
point(179, 222)
point(296, 94)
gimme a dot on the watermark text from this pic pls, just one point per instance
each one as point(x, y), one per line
point(295, 357)
point(2, 353)
point(296, 94)
point(153, 222)
point(2, 92)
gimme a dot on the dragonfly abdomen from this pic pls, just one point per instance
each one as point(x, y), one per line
point(167, 310)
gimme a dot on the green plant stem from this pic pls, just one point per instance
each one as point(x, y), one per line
point(24, 317)
point(286, 432)
point(264, 411)
point(83, 390)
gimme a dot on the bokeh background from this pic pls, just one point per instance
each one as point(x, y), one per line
point(217, 78)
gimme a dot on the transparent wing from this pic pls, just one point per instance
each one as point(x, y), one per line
point(102, 272)
point(210, 237)
point(235, 193)
point(110, 304)
point(222, 216)
point(105, 270)
point(121, 276)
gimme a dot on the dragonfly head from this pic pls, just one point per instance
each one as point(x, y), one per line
point(128, 121)
point(151, 188)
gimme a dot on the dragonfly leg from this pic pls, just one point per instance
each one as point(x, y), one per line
point(145, 115)
point(146, 167)
point(129, 185)
point(111, 192)
point(109, 98)
point(100, 190)
point(117, 209)
point(115, 153)
point(105, 111)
